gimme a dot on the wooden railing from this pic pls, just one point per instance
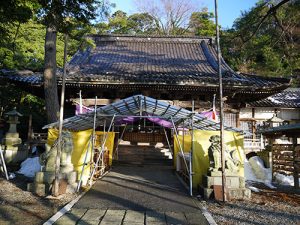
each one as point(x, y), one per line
point(286, 160)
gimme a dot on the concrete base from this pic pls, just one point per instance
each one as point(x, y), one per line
point(45, 189)
point(43, 182)
point(38, 189)
point(48, 177)
point(235, 186)
point(232, 193)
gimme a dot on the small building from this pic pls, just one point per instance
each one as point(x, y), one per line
point(280, 109)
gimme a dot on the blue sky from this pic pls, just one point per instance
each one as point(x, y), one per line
point(229, 10)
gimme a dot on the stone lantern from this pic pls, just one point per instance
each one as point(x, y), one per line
point(274, 122)
point(13, 151)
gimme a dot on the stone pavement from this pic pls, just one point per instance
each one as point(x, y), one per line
point(128, 217)
point(136, 195)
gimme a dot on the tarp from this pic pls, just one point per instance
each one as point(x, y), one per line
point(81, 146)
point(233, 141)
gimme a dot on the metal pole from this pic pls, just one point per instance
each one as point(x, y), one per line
point(100, 154)
point(94, 130)
point(181, 150)
point(55, 189)
point(119, 141)
point(83, 165)
point(3, 164)
point(221, 103)
point(168, 142)
point(192, 150)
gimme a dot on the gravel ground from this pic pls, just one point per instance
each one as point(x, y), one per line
point(17, 206)
point(279, 206)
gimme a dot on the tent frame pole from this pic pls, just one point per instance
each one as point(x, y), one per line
point(119, 141)
point(178, 142)
point(94, 130)
point(192, 149)
point(83, 165)
point(101, 153)
point(168, 142)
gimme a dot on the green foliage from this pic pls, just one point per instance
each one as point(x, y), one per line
point(201, 23)
point(270, 47)
point(25, 47)
point(120, 23)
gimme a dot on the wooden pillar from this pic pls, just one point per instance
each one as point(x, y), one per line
point(295, 163)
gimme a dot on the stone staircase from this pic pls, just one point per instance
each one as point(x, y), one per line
point(144, 155)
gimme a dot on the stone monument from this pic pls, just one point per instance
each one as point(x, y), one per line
point(13, 149)
point(68, 177)
point(235, 184)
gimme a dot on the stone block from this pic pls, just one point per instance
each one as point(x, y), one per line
point(206, 192)
point(242, 182)
point(231, 182)
point(154, 217)
point(88, 222)
point(77, 212)
point(196, 218)
point(219, 173)
point(175, 218)
point(44, 177)
point(134, 217)
point(11, 135)
point(67, 219)
point(71, 188)
point(67, 169)
point(113, 216)
point(93, 214)
point(71, 177)
point(240, 193)
point(14, 155)
point(38, 189)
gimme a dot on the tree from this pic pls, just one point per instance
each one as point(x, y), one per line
point(142, 23)
point(57, 16)
point(201, 23)
point(171, 16)
point(265, 39)
point(118, 23)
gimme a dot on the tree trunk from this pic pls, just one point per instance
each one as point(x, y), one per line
point(50, 85)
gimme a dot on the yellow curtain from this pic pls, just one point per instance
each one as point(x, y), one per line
point(233, 141)
point(82, 146)
point(109, 144)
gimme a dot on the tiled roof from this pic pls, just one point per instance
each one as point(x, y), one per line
point(155, 60)
point(146, 60)
point(24, 76)
point(289, 98)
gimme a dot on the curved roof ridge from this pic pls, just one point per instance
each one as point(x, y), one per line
point(149, 38)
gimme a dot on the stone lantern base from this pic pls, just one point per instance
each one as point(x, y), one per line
point(14, 151)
